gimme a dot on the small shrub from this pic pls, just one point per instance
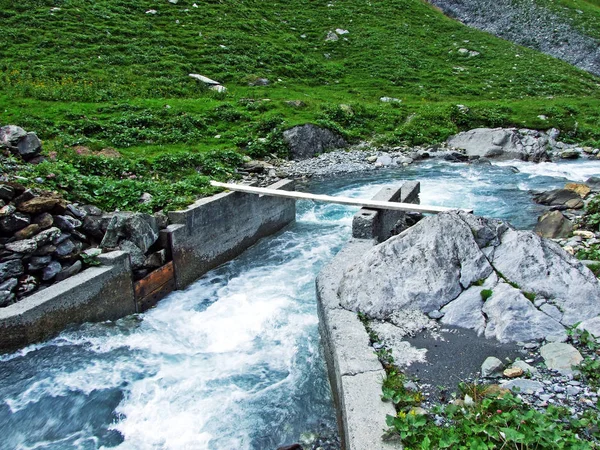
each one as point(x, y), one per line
point(486, 293)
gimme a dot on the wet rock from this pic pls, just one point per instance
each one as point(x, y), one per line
point(569, 154)
point(44, 220)
point(69, 271)
point(51, 270)
point(27, 232)
point(14, 222)
point(559, 197)
point(560, 357)
point(138, 228)
point(29, 146)
point(24, 246)
point(305, 141)
point(11, 269)
point(492, 367)
point(553, 224)
point(580, 189)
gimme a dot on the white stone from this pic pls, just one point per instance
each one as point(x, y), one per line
point(204, 79)
point(561, 357)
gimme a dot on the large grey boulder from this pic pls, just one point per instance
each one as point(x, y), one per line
point(445, 262)
point(306, 141)
point(560, 197)
point(553, 224)
point(19, 141)
point(502, 143)
point(139, 228)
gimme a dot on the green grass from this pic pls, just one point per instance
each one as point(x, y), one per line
point(106, 74)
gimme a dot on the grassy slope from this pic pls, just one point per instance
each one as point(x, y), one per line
point(104, 73)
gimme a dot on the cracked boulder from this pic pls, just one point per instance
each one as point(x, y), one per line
point(475, 273)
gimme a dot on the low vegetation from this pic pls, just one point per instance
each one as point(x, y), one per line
point(114, 74)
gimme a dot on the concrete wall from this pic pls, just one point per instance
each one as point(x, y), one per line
point(216, 229)
point(96, 294)
point(210, 232)
point(354, 370)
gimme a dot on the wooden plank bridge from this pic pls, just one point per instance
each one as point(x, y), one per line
point(374, 204)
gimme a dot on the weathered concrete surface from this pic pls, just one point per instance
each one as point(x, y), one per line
point(216, 229)
point(383, 224)
point(354, 370)
point(97, 294)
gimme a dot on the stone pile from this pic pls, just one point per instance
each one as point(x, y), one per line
point(44, 239)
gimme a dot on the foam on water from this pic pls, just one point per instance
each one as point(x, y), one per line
point(233, 361)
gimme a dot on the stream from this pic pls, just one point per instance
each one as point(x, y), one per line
point(233, 361)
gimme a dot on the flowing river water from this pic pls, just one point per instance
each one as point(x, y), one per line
point(234, 361)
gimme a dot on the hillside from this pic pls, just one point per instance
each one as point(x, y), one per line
point(566, 29)
point(115, 74)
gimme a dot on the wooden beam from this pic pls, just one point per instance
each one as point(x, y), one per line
point(374, 204)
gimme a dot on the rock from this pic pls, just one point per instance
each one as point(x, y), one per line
point(553, 224)
point(44, 220)
point(580, 189)
point(65, 248)
point(6, 298)
point(305, 141)
point(13, 222)
point(390, 100)
point(39, 205)
point(259, 82)
point(444, 262)
point(11, 134)
point(76, 212)
point(156, 260)
point(10, 269)
point(384, 280)
point(204, 79)
point(290, 447)
point(27, 284)
point(502, 143)
point(38, 262)
point(51, 270)
point(162, 220)
point(523, 386)
point(92, 210)
point(569, 154)
point(7, 193)
point(592, 326)
point(27, 232)
point(9, 284)
point(513, 372)
point(512, 317)
point(526, 368)
point(7, 210)
point(384, 160)
point(584, 234)
point(559, 197)
point(593, 183)
point(29, 146)
point(46, 236)
point(25, 196)
point(45, 250)
point(69, 272)
point(560, 357)
point(295, 103)
point(492, 367)
point(331, 37)
point(92, 226)
point(24, 246)
point(218, 88)
point(66, 223)
point(453, 156)
point(141, 229)
point(146, 198)
point(540, 266)
point(135, 254)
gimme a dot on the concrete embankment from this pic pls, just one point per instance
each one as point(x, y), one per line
point(354, 370)
point(208, 233)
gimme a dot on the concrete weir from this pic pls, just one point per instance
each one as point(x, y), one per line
point(207, 234)
point(355, 372)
